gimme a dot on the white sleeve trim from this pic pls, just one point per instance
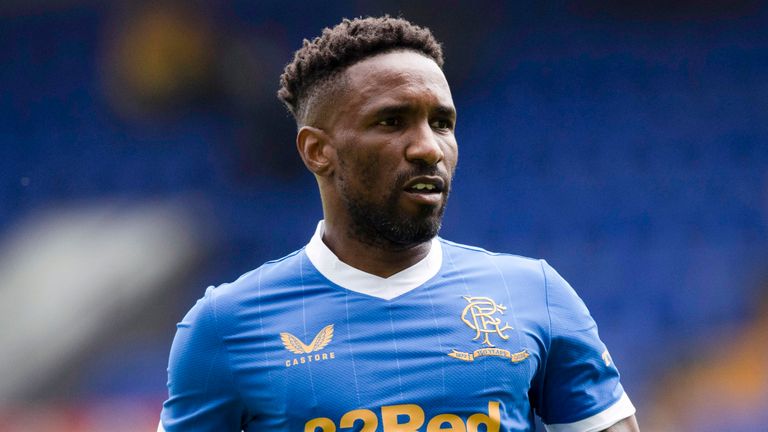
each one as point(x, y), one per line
point(600, 421)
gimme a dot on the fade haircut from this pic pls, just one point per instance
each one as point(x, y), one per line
point(312, 77)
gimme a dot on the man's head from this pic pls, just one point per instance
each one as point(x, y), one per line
point(311, 80)
point(377, 131)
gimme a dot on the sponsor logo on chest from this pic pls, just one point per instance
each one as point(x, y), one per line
point(308, 353)
point(409, 418)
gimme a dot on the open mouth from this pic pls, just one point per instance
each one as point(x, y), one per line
point(425, 184)
point(423, 188)
point(426, 189)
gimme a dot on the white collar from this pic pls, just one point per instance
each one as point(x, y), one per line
point(346, 276)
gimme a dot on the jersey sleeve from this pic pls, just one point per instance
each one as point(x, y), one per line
point(580, 389)
point(202, 395)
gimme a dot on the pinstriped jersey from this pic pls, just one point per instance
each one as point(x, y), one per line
point(466, 340)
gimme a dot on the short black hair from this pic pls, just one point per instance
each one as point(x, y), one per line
point(318, 61)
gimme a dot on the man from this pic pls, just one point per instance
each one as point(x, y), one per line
point(377, 324)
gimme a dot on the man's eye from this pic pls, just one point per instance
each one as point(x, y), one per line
point(442, 124)
point(392, 121)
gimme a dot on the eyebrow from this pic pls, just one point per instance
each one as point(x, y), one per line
point(446, 111)
point(442, 110)
point(392, 110)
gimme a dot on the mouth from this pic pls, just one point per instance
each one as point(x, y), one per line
point(425, 189)
point(425, 185)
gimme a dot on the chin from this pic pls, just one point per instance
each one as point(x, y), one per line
point(395, 226)
point(414, 231)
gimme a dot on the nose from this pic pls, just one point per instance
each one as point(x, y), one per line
point(424, 147)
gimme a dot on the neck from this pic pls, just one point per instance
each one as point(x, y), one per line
point(372, 257)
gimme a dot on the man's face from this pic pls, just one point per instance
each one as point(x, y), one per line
point(393, 131)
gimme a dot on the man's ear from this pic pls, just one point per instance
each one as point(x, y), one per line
point(315, 150)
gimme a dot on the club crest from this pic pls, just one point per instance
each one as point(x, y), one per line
point(484, 316)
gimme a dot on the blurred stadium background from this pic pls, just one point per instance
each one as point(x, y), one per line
point(144, 156)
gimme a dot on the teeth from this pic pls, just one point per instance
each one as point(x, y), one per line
point(422, 186)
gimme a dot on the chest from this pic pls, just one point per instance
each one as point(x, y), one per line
point(339, 355)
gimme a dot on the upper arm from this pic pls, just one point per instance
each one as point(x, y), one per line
point(579, 387)
point(202, 394)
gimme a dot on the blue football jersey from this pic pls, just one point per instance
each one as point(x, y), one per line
point(465, 340)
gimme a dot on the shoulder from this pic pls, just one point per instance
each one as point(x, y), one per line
point(269, 273)
point(457, 254)
point(534, 281)
point(247, 292)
